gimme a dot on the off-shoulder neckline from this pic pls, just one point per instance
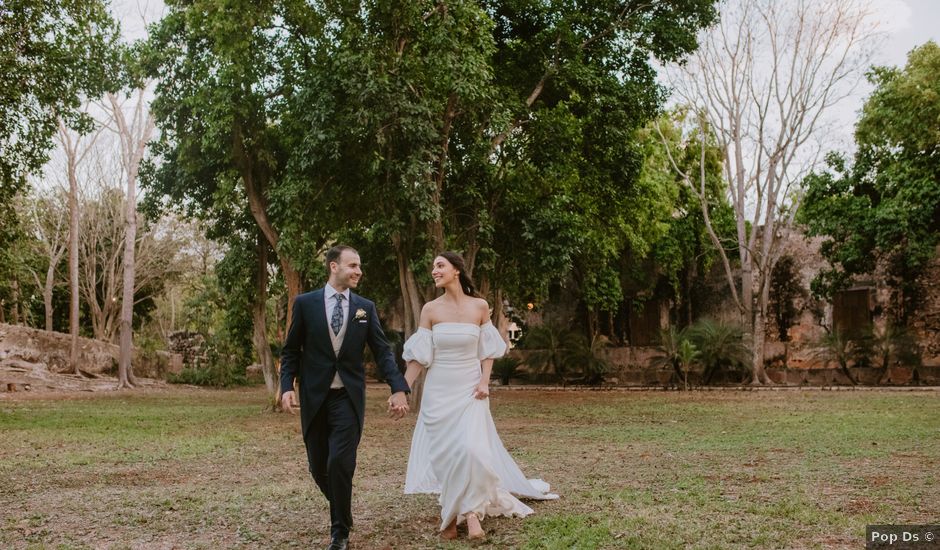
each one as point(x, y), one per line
point(457, 323)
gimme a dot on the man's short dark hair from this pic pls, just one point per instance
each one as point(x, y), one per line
point(333, 254)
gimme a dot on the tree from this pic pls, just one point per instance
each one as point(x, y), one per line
point(786, 287)
point(412, 123)
point(837, 346)
point(762, 82)
point(884, 208)
point(102, 259)
point(685, 254)
point(75, 147)
point(133, 136)
point(52, 54)
point(20, 261)
point(499, 129)
point(225, 73)
point(48, 215)
point(557, 189)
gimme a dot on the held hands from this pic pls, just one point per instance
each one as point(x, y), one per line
point(398, 405)
point(288, 403)
point(482, 391)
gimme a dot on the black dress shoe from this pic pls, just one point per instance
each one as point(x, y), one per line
point(338, 544)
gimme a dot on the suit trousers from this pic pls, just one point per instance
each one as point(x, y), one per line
point(331, 445)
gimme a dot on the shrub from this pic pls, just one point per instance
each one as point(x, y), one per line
point(721, 346)
point(589, 358)
point(836, 346)
point(676, 352)
point(551, 346)
point(225, 366)
point(506, 368)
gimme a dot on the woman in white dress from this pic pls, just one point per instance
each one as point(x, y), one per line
point(455, 450)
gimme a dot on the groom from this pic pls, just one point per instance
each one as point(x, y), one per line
point(323, 350)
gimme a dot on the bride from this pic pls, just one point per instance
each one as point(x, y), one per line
point(455, 450)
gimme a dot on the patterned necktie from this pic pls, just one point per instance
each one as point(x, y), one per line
point(336, 320)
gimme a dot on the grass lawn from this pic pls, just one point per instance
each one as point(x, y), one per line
point(177, 467)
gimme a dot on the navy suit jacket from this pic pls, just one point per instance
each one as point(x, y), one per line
point(308, 355)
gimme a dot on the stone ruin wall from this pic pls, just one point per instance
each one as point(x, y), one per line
point(799, 361)
point(27, 355)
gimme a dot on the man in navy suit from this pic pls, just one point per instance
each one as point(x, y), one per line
point(328, 332)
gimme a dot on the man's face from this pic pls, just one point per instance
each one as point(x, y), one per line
point(347, 271)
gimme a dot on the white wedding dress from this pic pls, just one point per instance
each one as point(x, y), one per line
point(455, 450)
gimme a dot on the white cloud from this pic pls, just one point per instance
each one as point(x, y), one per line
point(894, 16)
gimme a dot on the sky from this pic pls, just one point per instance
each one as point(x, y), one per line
point(907, 24)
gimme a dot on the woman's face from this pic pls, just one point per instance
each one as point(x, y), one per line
point(443, 272)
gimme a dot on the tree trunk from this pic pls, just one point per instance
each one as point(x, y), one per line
point(259, 318)
point(759, 376)
point(295, 286)
point(16, 301)
point(255, 177)
point(411, 303)
point(73, 266)
point(436, 226)
point(125, 368)
point(47, 291)
point(411, 295)
point(500, 319)
point(134, 139)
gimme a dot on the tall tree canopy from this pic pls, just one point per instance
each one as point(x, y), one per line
point(884, 206)
point(52, 54)
point(502, 129)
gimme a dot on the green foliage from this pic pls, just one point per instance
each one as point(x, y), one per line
point(685, 251)
point(888, 345)
point(837, 346)
point(53, 54)
point(225, 366)
point(550, 345)
point(721, 346)
point(15, 259)
point(506, 368)
point(677, 352)
point(885, 207)
point(503, 129)
point(785, 288)
point(217, 305)
point(687, 355)
point(713, 344)
point(589, 360)
point(555, 194)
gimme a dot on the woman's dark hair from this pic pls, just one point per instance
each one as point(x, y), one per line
point(465, 282)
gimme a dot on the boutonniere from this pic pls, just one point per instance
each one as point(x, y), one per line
point(360, 314)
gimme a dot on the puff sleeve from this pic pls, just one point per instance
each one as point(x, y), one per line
point(420, 347)
point(492, 345)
